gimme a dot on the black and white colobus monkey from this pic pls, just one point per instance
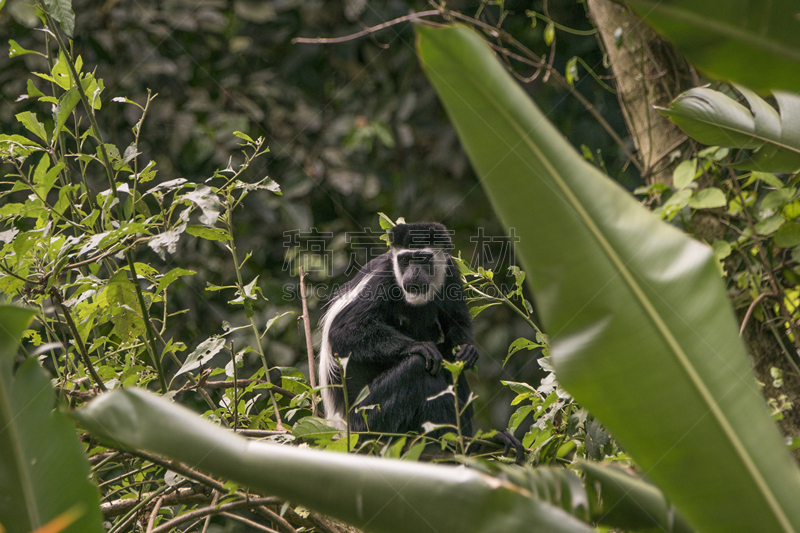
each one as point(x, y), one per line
point(401, 315)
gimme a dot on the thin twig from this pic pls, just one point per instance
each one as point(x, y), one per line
point(275, 518)
point(312, 379)
point(123, 523)
point(153, 514)
point(185, 471)
point(749, 312)
point(235, 391)
point(367, 31)
point(537, 62)
point(260, 433)
point(250, 523)
point(212, 510)
point(551, 71)
point(214, 502)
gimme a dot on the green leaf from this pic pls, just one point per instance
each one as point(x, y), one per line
point(61, 72)
point(93, 88)
point(385, 222)
point(754, 44)
point(776, 199)
point(201, 355)
point(770, 224)
point(32, 124)
point(43, 185)
point(384, 494)
point(33, 92)
point(243, 136)
point(312, 427)
point(676, 202)
point(123, 307)
point(66, 104)
point(208, 202)
point(40, 172)
point(678, 393)
point(768, 178)
point(520, 344)
point(45, 472)
point(14, 49)
point(171, 276)
point(519, 388)
point(708, 198)
point(788, 236)
point(684, 174)
point(713, 118)
point(17, 140)
point(209, 234)
point(722, 249)
point(476, 310)
point(61, 10)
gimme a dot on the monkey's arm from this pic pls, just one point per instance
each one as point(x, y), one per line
point(457, 325)
point(368, 340)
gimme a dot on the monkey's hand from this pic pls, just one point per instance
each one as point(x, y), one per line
point(468, 354)
point(433, 358)
point(507, 439)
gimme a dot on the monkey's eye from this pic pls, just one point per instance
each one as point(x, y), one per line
point(404, 259)
point(422, 258)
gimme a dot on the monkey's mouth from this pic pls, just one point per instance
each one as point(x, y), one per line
point(416, 288)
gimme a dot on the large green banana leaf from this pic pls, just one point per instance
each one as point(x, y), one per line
point(383, 494)
point(753, 43)
point(370, 493)
point(44, 474)
point(642, 331)
point(714, 118)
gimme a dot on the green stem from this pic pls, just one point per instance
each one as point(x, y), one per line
point(235, 389)
point(232, 248)
point(343, 373)
point(458, 414)
point(87, 362)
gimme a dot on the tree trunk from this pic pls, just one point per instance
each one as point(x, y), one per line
point(648, 72)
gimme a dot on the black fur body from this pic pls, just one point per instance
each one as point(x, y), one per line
point(395, 347)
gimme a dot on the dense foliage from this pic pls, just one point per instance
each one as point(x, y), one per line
point(218, 68)
point(160, 236)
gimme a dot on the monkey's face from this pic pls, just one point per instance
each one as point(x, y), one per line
point(420, 273)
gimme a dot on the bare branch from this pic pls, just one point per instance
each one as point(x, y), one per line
point(367, 31)
point(212, 510)
point(312, 380)
point(190, 495)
